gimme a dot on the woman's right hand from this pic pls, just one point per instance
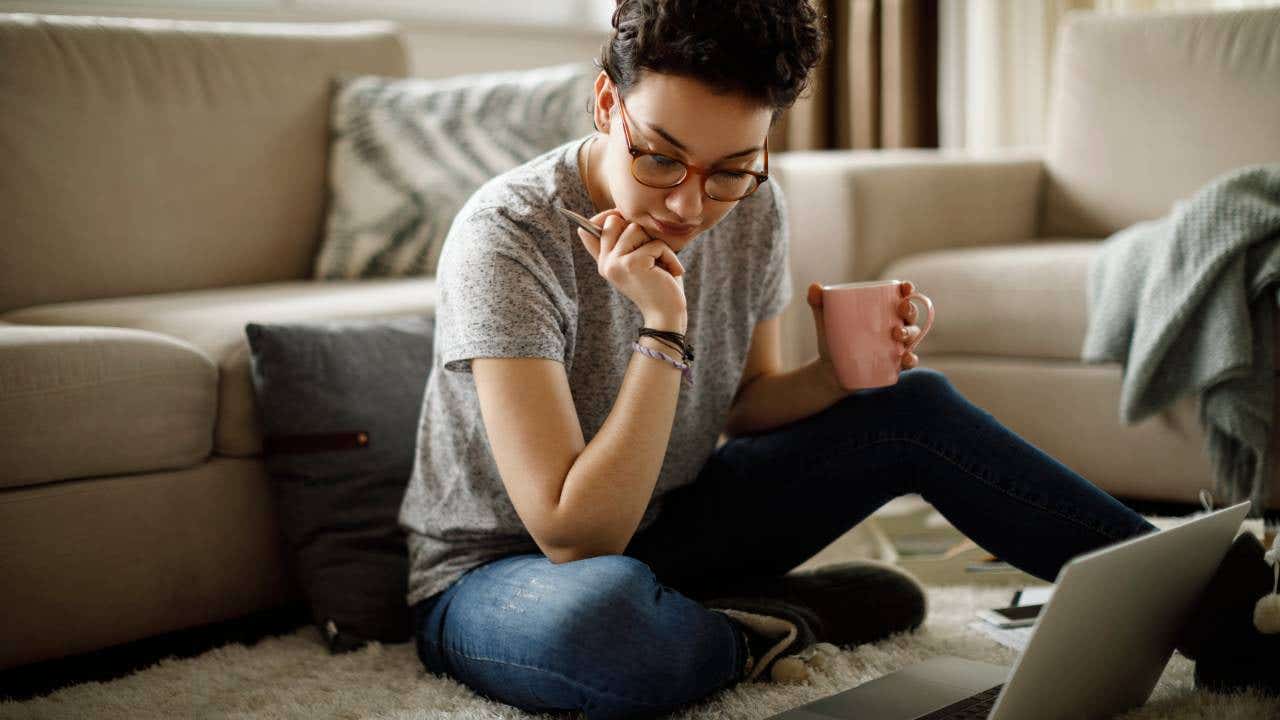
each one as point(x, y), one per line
point(645, 270)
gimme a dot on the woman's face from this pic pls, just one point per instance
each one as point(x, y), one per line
point(682, 119)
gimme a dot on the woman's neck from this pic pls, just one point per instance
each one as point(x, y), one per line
point(591, 160)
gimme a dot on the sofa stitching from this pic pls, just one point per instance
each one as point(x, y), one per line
point(109, 381)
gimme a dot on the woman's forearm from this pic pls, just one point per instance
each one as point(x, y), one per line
point(611, 482)
point(773, 400)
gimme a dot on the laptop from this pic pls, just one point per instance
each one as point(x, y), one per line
point(1098, 649)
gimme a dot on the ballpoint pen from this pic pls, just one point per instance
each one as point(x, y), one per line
point(581, 221)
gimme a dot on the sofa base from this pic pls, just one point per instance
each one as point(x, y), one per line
point(95, 562)
point(1068, 409)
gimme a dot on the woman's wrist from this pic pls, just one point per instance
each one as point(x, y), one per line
point(826, 375)
point(667, 321)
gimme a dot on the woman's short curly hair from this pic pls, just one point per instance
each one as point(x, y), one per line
point(762, 50)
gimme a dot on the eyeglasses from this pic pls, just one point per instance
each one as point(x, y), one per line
point(662, 171)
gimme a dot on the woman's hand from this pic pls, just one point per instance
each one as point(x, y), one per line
point(902, 335)
point(645, 270)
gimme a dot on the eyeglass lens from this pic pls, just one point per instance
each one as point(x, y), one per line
point(661, 171)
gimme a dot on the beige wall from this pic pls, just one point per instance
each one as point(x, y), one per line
point(437, 47)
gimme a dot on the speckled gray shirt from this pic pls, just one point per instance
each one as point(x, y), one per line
point(515, 281)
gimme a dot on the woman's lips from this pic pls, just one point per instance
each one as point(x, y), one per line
point(673, 229)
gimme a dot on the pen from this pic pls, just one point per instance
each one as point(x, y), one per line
point(580, 221)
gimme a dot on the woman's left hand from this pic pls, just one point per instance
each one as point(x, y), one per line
point(902, 335)
point(909, 333)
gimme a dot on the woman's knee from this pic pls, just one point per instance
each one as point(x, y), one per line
point(643, 642)
point(916, 388)
point(599, 632)
point(925, 382)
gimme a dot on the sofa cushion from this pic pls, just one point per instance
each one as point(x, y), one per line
point(407, 153)
point(214, 320)
point(1148, 107)
point(1025, 300)
point(84, 401)
point(339, 405)
point(131, 146)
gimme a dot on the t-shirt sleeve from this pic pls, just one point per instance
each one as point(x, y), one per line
point(498, 295)
point(776, 288)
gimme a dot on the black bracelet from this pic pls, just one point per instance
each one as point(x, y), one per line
point(669, 343)
point(671, 339)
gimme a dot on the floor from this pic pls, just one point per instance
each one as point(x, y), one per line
point(904, 515)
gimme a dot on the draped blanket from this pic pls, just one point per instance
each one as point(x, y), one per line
point(1187, 303)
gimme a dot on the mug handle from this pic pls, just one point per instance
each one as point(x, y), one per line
point(928, 323)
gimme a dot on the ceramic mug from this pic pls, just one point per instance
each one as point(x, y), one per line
point(858, 319)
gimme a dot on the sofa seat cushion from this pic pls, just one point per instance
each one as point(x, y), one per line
point(1026, 300)
point(82, 401)
point(214, 320)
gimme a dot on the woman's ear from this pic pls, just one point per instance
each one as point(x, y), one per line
point(603, 103)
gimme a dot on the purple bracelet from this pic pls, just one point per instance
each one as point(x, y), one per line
point(685, 370)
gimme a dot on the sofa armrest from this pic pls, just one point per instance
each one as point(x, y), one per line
point(853, 212)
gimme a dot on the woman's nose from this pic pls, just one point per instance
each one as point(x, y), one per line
point(685, 199)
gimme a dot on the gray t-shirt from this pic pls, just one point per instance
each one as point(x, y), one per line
point(514, 280)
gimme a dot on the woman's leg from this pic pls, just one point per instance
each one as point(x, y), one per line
point(599, 635)
point(766, 503)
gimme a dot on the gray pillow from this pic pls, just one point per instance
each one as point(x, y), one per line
point(339, 404)
point(406, 153)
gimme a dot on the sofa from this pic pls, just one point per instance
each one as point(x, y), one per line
point(1144, 110)
point(164, 183)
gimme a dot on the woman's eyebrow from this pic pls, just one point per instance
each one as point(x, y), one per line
point(666, 135)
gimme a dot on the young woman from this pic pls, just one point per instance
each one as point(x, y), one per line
point(570, 502)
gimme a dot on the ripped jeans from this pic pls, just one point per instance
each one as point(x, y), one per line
point(619, 636)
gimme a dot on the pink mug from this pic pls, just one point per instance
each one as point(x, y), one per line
point(858, 319)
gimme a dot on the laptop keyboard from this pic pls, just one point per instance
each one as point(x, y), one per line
point(974, 707)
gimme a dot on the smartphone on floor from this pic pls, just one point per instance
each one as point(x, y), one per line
point(1012, 617)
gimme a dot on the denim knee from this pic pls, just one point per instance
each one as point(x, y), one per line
point(916, 388)
point(924, 383)
point(599, 634)
point(646, 647)
point(618, 602)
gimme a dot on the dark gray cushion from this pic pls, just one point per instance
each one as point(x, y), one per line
point(339, 405)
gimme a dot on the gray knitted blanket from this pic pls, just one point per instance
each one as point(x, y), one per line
point(1187, 304)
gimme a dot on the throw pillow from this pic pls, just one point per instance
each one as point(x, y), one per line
point(339, 403)
point(406, 153)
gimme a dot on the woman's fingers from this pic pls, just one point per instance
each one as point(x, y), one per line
point(612, 225)
point(907, 311)
point(662, 256)
point(590, 242)
point(669, 261)
point(632, 238)
point(906, 335)
point(815, 296)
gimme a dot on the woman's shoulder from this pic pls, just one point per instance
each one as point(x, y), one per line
point(523, 197)
point(513, 214)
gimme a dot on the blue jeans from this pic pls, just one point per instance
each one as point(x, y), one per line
point(622, 636)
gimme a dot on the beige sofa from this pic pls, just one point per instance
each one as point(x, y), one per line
point(163, 184)
point(1145, 109)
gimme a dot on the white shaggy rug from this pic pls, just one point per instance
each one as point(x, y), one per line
point(294, 677)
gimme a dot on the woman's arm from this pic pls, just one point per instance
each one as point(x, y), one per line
point(577, 499)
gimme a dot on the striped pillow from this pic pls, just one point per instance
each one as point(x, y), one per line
point(406, 153)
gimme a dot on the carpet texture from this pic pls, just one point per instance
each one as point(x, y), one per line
point(293, 676)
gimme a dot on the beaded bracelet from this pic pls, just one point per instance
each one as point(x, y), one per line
point(686, 371)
